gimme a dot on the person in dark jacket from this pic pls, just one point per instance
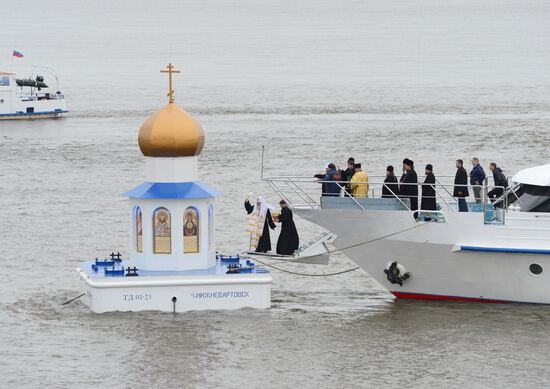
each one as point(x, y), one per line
point(477, 177)
point(288, 241)
point(390, 189)
point(261, 208)
point(332, 188)
point(501, 182)
point(321, 177)
point(409, 187)
point(347, 174)
point(428, 202)
point(404, 174)
point(461, 186)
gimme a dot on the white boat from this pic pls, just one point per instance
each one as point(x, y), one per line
point(490, 254)
point(30, 97)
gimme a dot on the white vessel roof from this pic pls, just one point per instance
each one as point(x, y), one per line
point(538, 175)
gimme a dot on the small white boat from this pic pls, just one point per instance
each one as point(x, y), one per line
point(490, 254)
point(30, 97)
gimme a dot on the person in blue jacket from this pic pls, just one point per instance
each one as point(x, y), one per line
point(333, 189)
point(477, 177)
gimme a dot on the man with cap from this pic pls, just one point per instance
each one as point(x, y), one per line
point(359, 183)
point(409, 184)
point(321, 177)
point(333, 188)
point(428, 191)
point(390, 189)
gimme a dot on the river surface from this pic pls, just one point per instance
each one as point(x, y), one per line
point(313, 81)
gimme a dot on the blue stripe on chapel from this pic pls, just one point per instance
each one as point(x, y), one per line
point(172, 190)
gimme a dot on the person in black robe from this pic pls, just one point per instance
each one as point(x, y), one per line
point(461, 186)
point(264, 244)
point(390, 189)
point(404, 174)
point(410, 189)
point(428, 191)
point(288, 241)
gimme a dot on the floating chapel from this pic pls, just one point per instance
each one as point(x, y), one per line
point(173, 264)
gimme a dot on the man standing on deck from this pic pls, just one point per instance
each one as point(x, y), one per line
point(333, 188)
point(428, 202)
point(391, 187)
point(409, 187)
point(288, 241)
point(404, 174)
point(461, 186)
point(348, 174)
point(359, 183)
point(477, 177)
point(501, 183)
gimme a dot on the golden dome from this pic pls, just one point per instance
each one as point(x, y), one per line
point(171, 132)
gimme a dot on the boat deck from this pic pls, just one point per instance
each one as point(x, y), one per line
point(124, 269)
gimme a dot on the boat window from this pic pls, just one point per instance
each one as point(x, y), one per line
point(531, 198)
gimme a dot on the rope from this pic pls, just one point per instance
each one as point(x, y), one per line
point(306, 274)
point(73, 299)
point(337, 250)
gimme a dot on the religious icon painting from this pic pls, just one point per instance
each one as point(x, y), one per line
point(162, 232)
point(139, 230)
point(191, 230)
point(210, 226)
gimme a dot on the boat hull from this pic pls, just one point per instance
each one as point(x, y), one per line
point(431, 254)
point(176, 293)
point(33, 116)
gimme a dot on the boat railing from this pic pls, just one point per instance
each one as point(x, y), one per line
point(307, 192)
point(35, 96)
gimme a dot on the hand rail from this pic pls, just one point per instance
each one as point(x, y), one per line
point(298, 188)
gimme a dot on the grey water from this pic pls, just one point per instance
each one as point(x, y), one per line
point(313, 81)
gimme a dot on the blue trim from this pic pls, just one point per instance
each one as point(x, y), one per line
point(34, 113)
point(510, 250)
point(172, 190)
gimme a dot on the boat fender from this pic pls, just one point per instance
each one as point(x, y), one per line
point(396, 273)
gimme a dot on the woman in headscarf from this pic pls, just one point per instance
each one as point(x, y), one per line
point(259, 223)
point(288, 239)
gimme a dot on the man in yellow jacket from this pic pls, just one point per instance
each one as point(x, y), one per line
point(359, 183)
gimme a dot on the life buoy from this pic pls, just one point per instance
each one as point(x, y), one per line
point(396, 273)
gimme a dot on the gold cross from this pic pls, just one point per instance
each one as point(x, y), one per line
point(170, 71)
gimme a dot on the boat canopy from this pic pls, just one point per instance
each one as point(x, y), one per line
point(538, 176)
point(39, 82)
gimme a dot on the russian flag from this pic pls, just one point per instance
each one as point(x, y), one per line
point(17, 54)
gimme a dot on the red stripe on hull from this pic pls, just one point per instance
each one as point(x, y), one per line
point(423, 296)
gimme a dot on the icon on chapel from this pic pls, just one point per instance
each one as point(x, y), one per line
point(191, 231)
point(162, 241)
point(139, 231)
